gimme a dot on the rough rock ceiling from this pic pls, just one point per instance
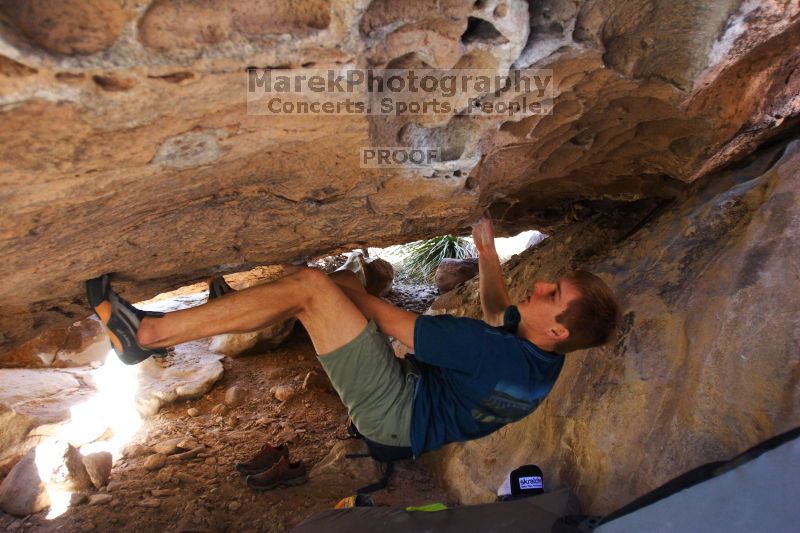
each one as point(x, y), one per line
point(126, 148)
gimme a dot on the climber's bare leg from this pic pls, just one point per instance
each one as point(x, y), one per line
point(343, 278)
point(328, 315)
point(347, 279)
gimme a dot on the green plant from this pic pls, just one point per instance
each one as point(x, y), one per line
point(423, 257)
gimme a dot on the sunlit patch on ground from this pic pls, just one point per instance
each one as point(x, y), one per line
point(105, 422)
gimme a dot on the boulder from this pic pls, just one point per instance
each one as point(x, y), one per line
point(73, 475)
point(193, 369)
point(233, 344)
point(453, 272)
point(36, 404)
point(698, 372)
point(98, 466)
point(23, 492)
point(375, 274)
point(379, 276)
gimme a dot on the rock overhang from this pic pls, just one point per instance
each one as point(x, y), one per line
point(126, 147)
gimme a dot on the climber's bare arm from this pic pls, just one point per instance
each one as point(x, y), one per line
point(494, 297)
point(391, 320)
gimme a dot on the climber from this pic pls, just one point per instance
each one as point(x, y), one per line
point(467, 377)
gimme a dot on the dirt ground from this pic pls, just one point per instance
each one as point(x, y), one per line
point(205, 493)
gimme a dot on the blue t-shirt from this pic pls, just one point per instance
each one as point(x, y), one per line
point(475, 378)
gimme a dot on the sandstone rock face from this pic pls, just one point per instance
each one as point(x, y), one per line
point(79, 344)
point(452, 272)
point(33, 404)
point(131, 113)
point(706, 361)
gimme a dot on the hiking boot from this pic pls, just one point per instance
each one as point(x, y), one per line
point(121, 320)
point(283, 474)
point(265, 459)
point(218, 287)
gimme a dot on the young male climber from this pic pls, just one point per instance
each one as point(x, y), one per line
point(467, 379)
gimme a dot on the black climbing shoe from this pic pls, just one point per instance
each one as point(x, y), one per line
point(218, 287)
point(121, 319)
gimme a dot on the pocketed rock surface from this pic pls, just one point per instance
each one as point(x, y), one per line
point(203, 492)
point(706, 362)
point(126, 144)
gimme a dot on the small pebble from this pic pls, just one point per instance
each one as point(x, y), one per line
point(168, 446)
point(234, 506)
point(235, 396)
point(150, 502)
point(78, 498)
point(192, 411)
point(136, 450)
point(282, 392)
point(155, 461)
point(100, 499)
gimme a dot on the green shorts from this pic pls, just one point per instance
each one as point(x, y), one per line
point(376, 387)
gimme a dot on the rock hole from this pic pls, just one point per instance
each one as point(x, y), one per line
point(583, 138)
point(282, 66)
point(457, 173)
point(69, 77)
point(174, 77)
point(501, 11)
point(112, 83)
point(480, 30)
point(479, 4)
point(470, 183)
